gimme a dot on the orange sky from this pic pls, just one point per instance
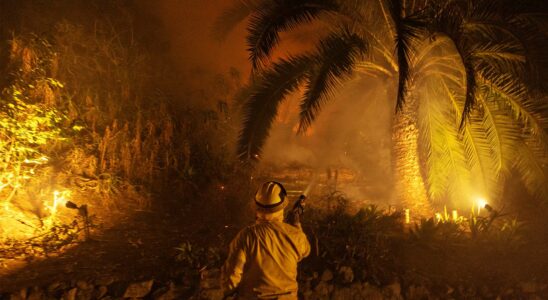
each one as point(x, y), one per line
point(188, 25)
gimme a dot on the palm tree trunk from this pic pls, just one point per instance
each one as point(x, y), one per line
point(409, 184)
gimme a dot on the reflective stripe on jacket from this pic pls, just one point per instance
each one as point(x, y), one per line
point(262, 261)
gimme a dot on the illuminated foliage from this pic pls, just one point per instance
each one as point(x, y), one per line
point(30, 128)
point(449, 58)
point(24, 129)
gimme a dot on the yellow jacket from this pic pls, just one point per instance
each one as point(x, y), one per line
point(262, 261)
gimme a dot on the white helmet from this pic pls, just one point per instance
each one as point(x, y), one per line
point(271, 197)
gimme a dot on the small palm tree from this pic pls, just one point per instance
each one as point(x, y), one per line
point(450, 57)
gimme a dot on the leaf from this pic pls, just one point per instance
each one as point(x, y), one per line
point(335, 60)
point(276, 16)
point(261, 108)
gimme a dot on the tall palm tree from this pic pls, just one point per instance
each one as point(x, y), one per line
point(449, 57)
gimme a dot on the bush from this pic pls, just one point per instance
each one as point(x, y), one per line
point(368, 241)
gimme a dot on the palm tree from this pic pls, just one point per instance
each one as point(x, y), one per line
point(450, 57)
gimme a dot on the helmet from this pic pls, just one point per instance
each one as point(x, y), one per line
point(271, 197)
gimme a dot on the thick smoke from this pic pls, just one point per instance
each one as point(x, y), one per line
point(352, 133)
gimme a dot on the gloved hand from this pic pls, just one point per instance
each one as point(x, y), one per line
point(294, 217)
point(298, 208)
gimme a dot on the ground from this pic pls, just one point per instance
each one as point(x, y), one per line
point(138, 247)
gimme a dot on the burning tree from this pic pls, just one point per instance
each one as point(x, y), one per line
point(449, 58)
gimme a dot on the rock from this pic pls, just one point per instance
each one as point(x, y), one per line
point(417, 292)
point(100, 292)
point(370, 292)
point(106, 281)
point(36, 294)
point(322, 290)
point(54, 287)
point(347, 274)
point(85, 294)
point(70, 294)
point(83, 285)
point(392, 291)
point(344, 293)
point(211, 294)
point(210, 279)
point(306, 288)
point(117, 289)
point(21, 295)
point(327, 275)
point(210, 284)
point(168, 292)
point(139, 289)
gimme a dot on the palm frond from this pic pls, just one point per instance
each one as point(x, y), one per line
point(262, 106)
point(477, 149)
point(449, 20)
point(276, 16)
point(407, 29)
point(448, 64)
point(483, 10)
point(378, 48)
point(533, 115)
point(372, 69)
point(500, 58)
point(502, 133)
point(532, 170)
point(448, 178)
point(335, 60)
point(234, 15)
point(425, 50)
point(525, 39)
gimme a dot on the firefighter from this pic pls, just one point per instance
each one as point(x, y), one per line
point(263, 257)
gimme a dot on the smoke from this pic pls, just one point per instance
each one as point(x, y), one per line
point(353, 132)
point(187, 25)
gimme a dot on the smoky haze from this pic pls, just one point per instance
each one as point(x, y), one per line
point(353, 130)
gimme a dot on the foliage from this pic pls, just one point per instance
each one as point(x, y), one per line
point(368, 241)
point(378, 247)
point(92, 99)
point(52, 240)
point(451, 57)
point(25, 128)
point(194, 256)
